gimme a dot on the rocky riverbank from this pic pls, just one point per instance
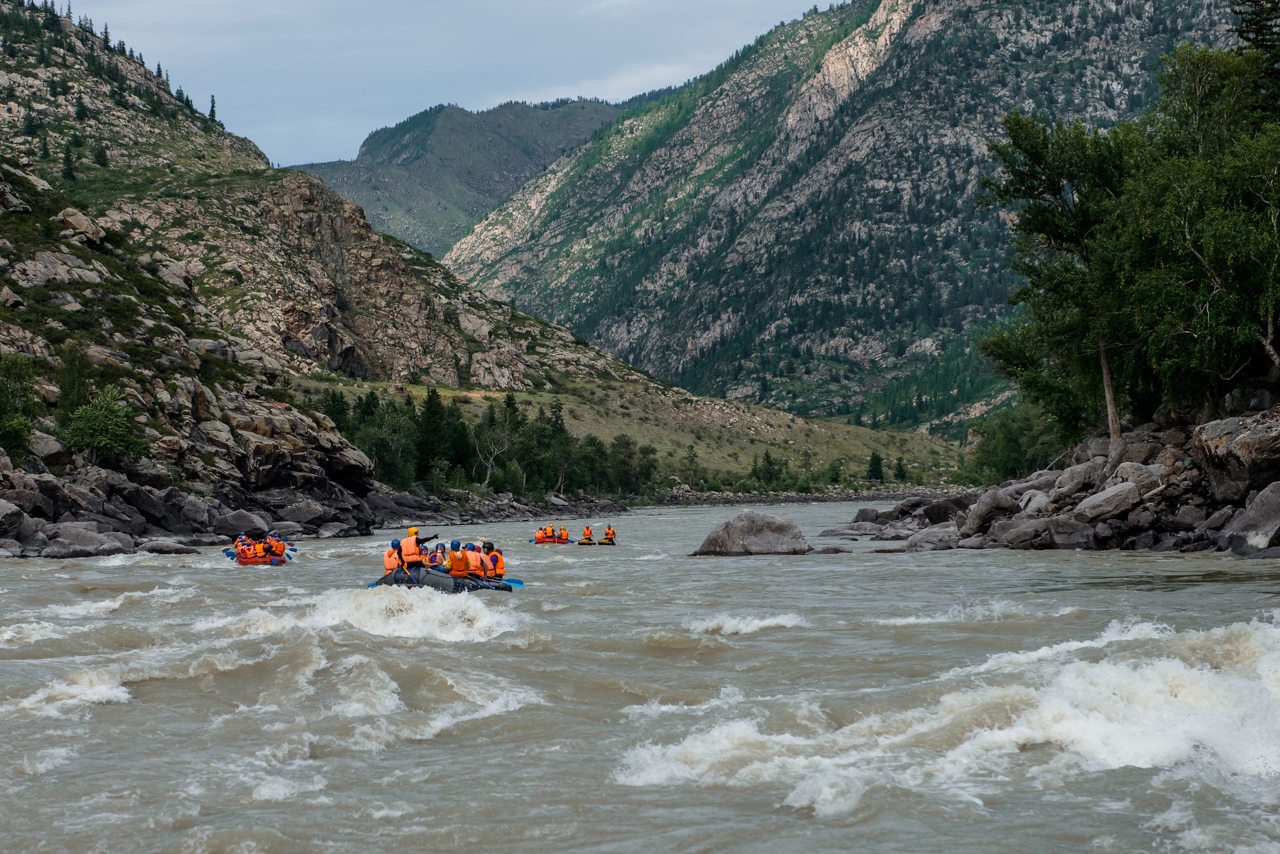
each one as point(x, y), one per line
point(94, 512)
point(685, 497)
point(1160, 487)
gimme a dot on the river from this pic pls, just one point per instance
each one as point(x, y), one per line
point(634, 699)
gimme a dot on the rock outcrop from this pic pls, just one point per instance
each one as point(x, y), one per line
point(752, 533)
point(1213, 489)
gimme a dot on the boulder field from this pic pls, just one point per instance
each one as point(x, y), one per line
point(1213, 488)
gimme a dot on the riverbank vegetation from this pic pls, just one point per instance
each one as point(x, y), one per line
point(613, 439)
point(1150, 249)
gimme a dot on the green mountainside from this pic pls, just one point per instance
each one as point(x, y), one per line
point(798, 227)
point(145, 248)
point(429, 179)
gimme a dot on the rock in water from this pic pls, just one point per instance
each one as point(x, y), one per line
point(752, 533)
point(1258, 527)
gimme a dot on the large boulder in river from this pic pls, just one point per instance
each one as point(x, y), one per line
point(752, 533)
point(992, 505)
point(1239, 454)
point(934, 538)
point(1258, 527)
point(238, 521)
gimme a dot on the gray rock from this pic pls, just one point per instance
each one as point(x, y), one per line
point(1216, 521)
point(11, 517)
point(752, 533)
point(1109, 503)
point(307, 512)
point(972, 543)
point(866, 529)
point(73, 541)
point(1021, 533)
point(1188, 518)
point(49, 450)
point(866, 514)
point(1034, 503)
point(1140, 543)
point(1239, 454)
point(1069, 534)
point(231, 524)
point(1146, 478)
point(990, 506)
point(10, 548)
point(893, 534)
point(166, 547)
point(333, 530)
point(934, 538)
point(1265, 554)
point(1256, 528)
point(1076, 479)
point(557, 501)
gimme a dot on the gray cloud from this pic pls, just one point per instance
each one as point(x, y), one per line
point(309, 79)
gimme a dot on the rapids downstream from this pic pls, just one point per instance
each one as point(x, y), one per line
point(634, 699)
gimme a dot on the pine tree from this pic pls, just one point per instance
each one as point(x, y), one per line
point(875, 467)
point(900, 470)
point(68, 165)
point(82, 111)
point(213, 108)
point(100, 155)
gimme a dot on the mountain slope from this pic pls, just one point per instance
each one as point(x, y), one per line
point(429, 179)
point(798, 227)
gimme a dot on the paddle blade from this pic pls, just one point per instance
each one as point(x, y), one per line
point(371, 585)
point(514, 582)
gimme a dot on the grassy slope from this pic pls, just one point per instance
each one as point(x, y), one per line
point(726, 434)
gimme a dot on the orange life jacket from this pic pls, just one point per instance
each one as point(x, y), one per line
point(586, 533)
point(390, 561)
point(475, 565)
point(435, 558)
point(499, 563)
point(260, 549)
point(411, 551)
point(458, 564)
point(608, 533)
point(564, 532)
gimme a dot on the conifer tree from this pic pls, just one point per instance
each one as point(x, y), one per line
point(875, 467)
point(213, 108)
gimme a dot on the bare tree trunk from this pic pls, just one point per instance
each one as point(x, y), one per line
point(1270, 336)
point(1109, 392)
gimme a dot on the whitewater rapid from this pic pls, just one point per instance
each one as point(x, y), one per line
point(634, 699)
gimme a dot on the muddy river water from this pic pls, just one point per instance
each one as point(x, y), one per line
point(634, 699)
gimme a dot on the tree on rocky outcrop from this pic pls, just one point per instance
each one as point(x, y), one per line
point(17, 405)
point(496, 433)
point(1062, 182)
point(104, 429)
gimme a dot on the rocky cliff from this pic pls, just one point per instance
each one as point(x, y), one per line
point(430, 178)
point(144, 247)
point(798, 227)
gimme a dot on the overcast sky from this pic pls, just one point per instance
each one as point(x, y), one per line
point(309, 79)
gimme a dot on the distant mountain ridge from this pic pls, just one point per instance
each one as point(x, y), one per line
point(430, 178)
point(799, 227)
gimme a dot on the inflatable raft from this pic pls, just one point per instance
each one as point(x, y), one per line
point(441, 581)
point(265, 560)
point(551, 541)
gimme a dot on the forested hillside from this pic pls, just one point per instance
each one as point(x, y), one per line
point(799, 226)
point(430, 178)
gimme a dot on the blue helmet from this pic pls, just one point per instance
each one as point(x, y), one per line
point(470, 547)
point(455, 545)
point(395, 544)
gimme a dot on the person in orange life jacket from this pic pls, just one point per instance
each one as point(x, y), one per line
point(609, 532)
point(438, 555)
point(497, 563)
point(393, 566)
point(564, 532)
point(586, 532)
point(411, 548)
point(475, 563)
point(457, 560)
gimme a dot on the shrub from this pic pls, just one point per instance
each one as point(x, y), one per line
point(104, 429)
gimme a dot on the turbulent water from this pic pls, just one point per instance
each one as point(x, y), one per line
point(634, 699)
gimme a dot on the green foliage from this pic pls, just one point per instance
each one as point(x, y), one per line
point(875, 467)
point(104, 429)
point(1151, 248)
point(74, 379)
point(507, 450)
point(1013, 443)
point(17, 405)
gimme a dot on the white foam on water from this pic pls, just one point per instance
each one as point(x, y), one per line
point(23, 634)
point(727, 624)
point(285, 788)
point(384, 611)
point(656, 556)
point(83, 688)
point(979, 612)
point(1204, 702)
point(47, 760)
point(729, 697)
point(366, 690)
point(1117, 632)
point(158, 595)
